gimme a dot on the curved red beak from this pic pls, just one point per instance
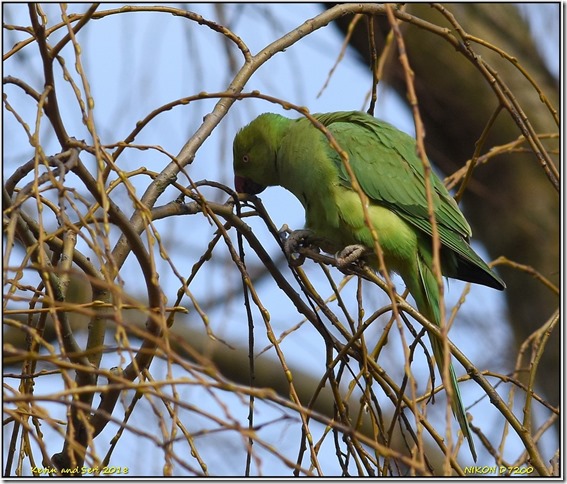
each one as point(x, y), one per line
point(246, 185)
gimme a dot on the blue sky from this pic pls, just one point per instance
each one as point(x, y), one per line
point(136, 62)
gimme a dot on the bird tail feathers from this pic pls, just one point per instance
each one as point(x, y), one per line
point(427, 299)
point(456, 401)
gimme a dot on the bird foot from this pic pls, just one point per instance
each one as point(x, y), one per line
point(293, 240)
point(350, 254)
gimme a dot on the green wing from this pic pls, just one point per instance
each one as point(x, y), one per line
point(387, 167)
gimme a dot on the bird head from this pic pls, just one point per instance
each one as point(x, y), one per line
point(255, 154)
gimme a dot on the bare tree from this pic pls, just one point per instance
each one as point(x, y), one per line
point(85, 232)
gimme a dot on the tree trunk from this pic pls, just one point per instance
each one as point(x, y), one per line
point(510, 203)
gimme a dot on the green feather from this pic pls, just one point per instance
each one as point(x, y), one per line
point(425, 291)
point(391, 173)
point(274, 150)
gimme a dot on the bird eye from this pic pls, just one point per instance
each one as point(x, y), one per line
point(245, 158)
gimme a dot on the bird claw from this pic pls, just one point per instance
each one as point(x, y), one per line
point(293, 240)
point(350, 254)
point(284, 232)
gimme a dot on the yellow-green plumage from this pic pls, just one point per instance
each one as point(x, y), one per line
point(274, 150)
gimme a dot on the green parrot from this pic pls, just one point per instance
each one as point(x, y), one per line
point(293, 153)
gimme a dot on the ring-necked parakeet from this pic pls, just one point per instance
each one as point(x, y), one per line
point(292, 153)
